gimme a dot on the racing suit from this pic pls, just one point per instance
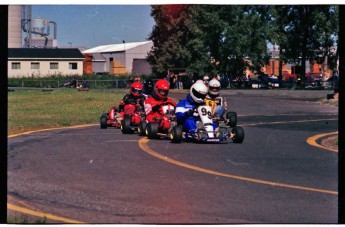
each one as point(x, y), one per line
point(153, 107)
point(220, 106)
point(131, 99)
point(183, 114)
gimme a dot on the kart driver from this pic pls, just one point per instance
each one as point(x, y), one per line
point(153, 104)
point(134, 97)
point(148, 88)
point(185, 108)
point(217, 103)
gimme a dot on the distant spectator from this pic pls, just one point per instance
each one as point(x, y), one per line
point(85, 84)
point(216, 76)
point(167, 78)
point(334, 79)
point(180, 84)
point(175, 81)
point(171, 80)
point(206, 79)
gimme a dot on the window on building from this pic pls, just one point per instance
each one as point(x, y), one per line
point(54, 65)
point(15, 65)
point(35, 65)
point(73, 65)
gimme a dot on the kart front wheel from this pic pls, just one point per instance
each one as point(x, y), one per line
point(237, 134)
point(176, 134)
point(151, 130)
point(142, 128)
point(126, 126)
point(103, 121)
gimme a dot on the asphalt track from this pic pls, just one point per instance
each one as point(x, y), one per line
point(279, 174)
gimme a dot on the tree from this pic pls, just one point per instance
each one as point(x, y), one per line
point(169, 36)
point(207, 38)
point(278, 21)
point(229, 38)
point(326, 52)
point(310, 29)
point(234, 37)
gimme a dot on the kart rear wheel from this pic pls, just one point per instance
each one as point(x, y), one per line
point(176, 134)
point(151, 130)
point(142, 128)
point(103, 121)
point(237, 134)
point(126, 126)
point(232, 116)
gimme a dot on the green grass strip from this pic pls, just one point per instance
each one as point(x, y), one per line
point(34, 109)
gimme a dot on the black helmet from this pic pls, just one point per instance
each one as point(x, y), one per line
point(148, 86)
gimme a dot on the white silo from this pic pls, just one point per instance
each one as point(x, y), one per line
point(38, 25)
point(14, 26)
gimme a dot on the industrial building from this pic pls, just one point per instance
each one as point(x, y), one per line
point(118, 59)
point(41, 62)
point(25, 32)
point(33, 50)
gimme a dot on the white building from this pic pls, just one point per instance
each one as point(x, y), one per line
point(124, 58)
point(41, 62)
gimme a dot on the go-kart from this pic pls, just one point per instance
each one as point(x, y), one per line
point(206, 133)
point(133, 116)
point(111, 118)
point(128, 119)
point(160, 123)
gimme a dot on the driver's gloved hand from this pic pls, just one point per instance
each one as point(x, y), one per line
point(155, 108)
point(189, 113)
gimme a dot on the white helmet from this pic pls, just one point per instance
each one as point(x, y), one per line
point(198, 92)
point(214, 87)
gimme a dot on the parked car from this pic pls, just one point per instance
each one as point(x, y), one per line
point(313, 80)
point(289, 80)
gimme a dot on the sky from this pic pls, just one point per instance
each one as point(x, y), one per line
point(94, 25)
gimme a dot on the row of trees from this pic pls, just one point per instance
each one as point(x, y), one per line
point(227, 39)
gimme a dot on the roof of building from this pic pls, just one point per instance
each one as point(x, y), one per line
point(114, 47)
point(44, 53)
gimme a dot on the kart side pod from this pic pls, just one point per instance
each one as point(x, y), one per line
point(205, 113)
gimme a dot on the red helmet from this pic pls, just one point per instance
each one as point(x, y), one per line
point(136, 89)
point(162, 89)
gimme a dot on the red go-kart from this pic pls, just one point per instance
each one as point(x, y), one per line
point(111, 119)
point(161, 122)
point(128, 119)
point(133, 115)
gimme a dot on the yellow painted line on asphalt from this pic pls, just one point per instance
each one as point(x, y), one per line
point(312, 141)
point(50, 129)
point(22, 203)
point(37, 213)
point(42, 215)
point(144, 146)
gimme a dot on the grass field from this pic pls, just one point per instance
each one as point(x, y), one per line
point(34, 109)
